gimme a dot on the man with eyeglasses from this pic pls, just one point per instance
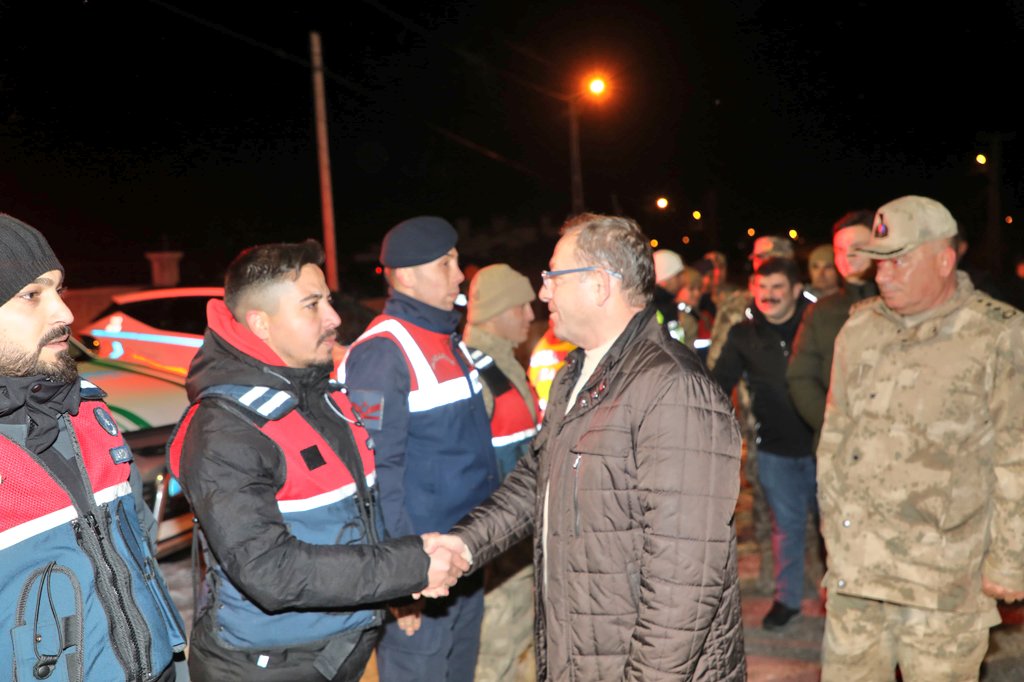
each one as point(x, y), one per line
point(630, 486)
point(921, 461)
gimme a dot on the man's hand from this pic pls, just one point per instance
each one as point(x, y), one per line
point(999, 592)
point(408, 617)
point(449, 559)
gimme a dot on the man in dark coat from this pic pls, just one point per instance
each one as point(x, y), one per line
point(810, 364)
point(757, 351)
point(630, 487)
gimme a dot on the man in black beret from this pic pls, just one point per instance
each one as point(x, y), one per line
point(411, 377)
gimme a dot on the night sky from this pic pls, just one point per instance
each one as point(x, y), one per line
point(128, 126)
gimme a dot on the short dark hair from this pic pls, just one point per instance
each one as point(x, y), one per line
point(786, 266)
point(266, 264)
point(620, 245)
point(861, 216)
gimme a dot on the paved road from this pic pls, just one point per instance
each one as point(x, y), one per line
point(790, 655)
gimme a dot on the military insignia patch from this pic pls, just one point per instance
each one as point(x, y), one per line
point(369, 407)
point(105, 420)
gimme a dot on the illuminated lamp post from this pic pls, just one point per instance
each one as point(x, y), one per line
point(595, 87)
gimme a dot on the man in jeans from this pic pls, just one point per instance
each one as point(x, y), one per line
point(757, 350)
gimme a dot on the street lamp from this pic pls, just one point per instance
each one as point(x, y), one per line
point(595, 87)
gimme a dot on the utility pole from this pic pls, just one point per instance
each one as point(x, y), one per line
point(575, 170)
point(324, 160)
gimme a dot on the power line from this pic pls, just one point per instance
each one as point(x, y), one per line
point(351, 85)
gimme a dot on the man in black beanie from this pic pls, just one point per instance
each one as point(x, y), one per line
point(432, 436)
point(86, 600)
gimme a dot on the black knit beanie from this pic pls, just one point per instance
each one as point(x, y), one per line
point(24, 256)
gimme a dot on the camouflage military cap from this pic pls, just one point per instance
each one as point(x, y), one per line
point(904, 224)
point(772, 247)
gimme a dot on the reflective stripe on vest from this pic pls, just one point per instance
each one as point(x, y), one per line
point(426, 390)
point(318, 501)
point(80, 581)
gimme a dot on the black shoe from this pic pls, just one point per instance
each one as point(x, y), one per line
point(779, 616)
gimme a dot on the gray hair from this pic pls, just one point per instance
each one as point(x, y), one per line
point(618, 244)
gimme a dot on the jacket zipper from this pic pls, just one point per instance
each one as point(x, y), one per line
point(114, 584)
point(575, 494)
point(126, 622)
point(359, 474)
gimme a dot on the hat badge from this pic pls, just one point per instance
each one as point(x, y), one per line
point(881, 230)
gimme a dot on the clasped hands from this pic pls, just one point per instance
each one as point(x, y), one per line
point(449, 560)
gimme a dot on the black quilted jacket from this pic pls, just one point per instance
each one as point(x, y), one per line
point(639, 581)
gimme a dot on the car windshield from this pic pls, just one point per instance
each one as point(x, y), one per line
point(184, 314)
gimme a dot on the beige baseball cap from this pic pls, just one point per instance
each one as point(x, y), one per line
point(904, 224)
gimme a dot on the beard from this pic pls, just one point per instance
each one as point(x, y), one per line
point(18, 363)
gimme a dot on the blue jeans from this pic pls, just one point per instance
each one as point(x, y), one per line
point(790, 489)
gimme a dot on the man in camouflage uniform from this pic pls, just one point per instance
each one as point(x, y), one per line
point(731, 311)
point(499, 316)
point(921, 462)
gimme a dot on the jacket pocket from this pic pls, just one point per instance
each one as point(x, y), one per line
point(147, 566)
point(47, 633)
point(602, 469)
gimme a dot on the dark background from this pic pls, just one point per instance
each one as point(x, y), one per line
point(128, 126)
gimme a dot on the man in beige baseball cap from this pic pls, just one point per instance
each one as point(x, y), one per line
point(919, 472)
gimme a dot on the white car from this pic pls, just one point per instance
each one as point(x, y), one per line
point(146, 404)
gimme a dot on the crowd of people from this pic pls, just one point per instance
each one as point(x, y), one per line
point(466, 516)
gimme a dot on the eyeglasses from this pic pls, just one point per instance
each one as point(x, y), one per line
point(547, 275)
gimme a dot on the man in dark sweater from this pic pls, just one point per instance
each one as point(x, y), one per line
point(757, 350)
point(811, 363)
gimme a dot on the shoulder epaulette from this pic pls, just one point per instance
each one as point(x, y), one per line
point(91, 391)
point(994, 309)
point(262, 401)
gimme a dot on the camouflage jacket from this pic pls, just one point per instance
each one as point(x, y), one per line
point(921, 458)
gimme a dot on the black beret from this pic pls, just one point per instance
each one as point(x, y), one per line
point(417, 241)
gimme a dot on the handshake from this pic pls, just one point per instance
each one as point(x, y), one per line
point(449, 559)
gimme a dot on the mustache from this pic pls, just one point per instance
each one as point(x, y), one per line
point(328, 336)
point(773, 301)
point(55, 334)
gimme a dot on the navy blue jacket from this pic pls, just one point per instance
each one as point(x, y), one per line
point(435, 461)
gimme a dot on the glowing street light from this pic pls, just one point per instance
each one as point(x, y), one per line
point(661, 203)
point(981, 159)
point(751, 232)
point(696, 215)
point(686, 239)
point(596, 87)
point(654, 243)
point(793, 233)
